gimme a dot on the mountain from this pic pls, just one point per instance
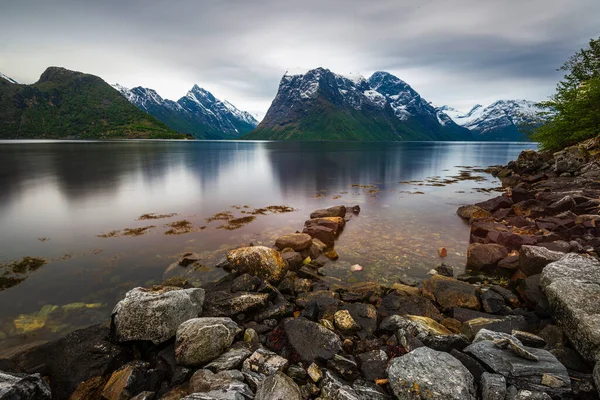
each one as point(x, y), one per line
point(6, 78)
point(198, 113)
point(322, 105)
point(501, 120)
point(65, 104)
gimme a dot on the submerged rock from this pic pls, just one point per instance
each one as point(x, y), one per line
point(260, 261)
point(428, 374)
point(201, 340)
point(23, 387)
point(155, 315)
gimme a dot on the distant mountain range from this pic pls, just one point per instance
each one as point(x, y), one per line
point(198, 113)
point(317, 105)
point(502, 120)
point(322, 105)
point(65, 104)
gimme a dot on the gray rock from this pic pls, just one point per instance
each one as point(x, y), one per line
point(201, 340)
point(492, 302)
point(204, 381)
point(155, 315)
point(506, 324)
point(529, 339)
point(260, 261)
point(474, 366)
point(312, 341)
point(335, 388)
point(231, 359)
point(297, 372)
point(533, 259)
point(234, 391)
point(597, 376)
point(227, 304)
point(265, 362)
point(529, 395)
point(427, 371)
point(570, 159)
point(254, 379)
point(369, 391)
point(486, 334)
point(278, 387)
point(522, 373)
point(23, 387)
point(570, 285)
point(147, 395)
point(336, 211)
point(493, 386)
point(373, 364)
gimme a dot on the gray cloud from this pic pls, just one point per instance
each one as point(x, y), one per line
point(456, 52)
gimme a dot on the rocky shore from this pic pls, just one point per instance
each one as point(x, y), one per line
point(522, 323)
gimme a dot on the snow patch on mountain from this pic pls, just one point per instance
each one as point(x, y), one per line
point(11, 80)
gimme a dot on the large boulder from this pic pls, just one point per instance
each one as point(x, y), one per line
point(23, 387)
point(570, 159)
point(533, 259)
point(85, 354)
point(496, 203)
point(521, 372)
point(482, 256)
point(201, 340)
point(572, 286)
point(472, 212)
point(310, 340)
point(336, 211)
point(428, 374)
point(155, 315)
point(323, 233)
point(450, 293)
point(294, 241)
point(259, 261)
point(529, 161)
point(335, 223)
point(278, 387)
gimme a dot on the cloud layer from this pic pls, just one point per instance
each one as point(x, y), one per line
point(458, 52)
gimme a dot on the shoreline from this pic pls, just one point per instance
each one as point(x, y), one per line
point(272, 327)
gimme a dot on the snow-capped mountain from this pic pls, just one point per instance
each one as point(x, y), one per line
point(323, 105)
point(2, 76)
point(198, 113)
point(501, 120)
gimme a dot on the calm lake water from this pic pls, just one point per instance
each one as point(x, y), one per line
point(58, 200)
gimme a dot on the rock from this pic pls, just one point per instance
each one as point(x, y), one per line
point(278, 387)
point(126, 382)
point(155, 315)
point(557, 245)
point(335, 223)
point(427, 331)
point(327, 302)
point(265, 362)
point(90, 389)
point(474, 366)
point(397, 304)
point(492, 302)
point(297, 372)
point(259, 261)
point(506, 325)
point(373, 364)
point(294, 241)
point(369, 391)
point(482, 256)
point(201, 340)
point(336, 389)
point(571, 360)
point(464, 314)
point(529, 161)
point(85, 353)
point(337, 211)
point(225, 388)
point(530, 291)
point(147, 395)
point(570, 284)
point(472, 212)
point(361, 291)
point(293, 259)
point(493, 386)
point(311, 340)
point(443, 252)
point(527, 395)
point(344, 321)
point(523, 373)
point(570, 159)
point(533, 259)
point(597, 376)
point(565, 204)
point(345, 366)
point(323, 233)
point(245, 283)
point(496, 203)
point(232, 359)
point(23, 387)
point(423, 373)
point(529, 339)
point(226, 304)
point(485, 334)
point(251, 337)
point(508, 295)
point(365, 315)
point(314, 372)
point(445, 270)
point(450, 293)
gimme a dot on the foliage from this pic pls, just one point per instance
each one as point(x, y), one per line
point(71, 105)
point(576, 102)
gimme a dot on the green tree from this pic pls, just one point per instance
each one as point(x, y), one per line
point(575, 106)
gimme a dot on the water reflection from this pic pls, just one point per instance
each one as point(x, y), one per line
point(71, 192)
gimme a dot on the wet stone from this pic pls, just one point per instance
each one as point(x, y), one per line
point(492, 302)
point(294, 241)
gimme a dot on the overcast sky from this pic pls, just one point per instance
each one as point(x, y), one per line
point(455, 52)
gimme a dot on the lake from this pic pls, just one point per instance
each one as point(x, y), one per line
point(78, 206)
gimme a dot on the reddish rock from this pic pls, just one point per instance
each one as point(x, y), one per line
point(482, 228)
point(335, 223)
point(496, 203)
point(294, 241)
point(481, 256)
point(450, 293)
point(533, 259)
point(324, 234)
point(472, 212)
point(337, 211)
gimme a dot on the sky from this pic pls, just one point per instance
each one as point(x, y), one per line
point(459, 52)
